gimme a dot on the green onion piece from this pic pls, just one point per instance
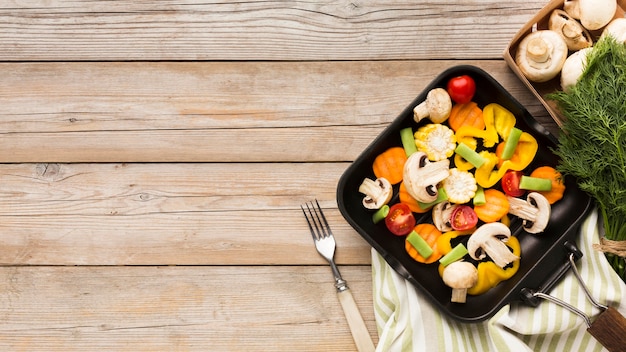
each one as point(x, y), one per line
point(511, 143)
point(470, 155)
point(479, 197)
point(380, 214)
point(408, 141)
point(441, 196)
point(419, 244)
point(455, 254)
point(535, 183)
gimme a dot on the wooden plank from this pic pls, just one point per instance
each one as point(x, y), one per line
point(63, 30)
point(178, 112)
point(159, 214)
point(178, 308)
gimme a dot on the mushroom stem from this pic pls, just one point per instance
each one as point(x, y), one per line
point(458, 295)
point(499, 252)
point(538, 50)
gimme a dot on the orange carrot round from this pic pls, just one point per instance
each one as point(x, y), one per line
point(495, 207)
point(430, 234)
point(407, 199)
point(558, 186)
point(390, 164)
point(468, 114)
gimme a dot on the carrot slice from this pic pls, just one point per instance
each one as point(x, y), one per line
point(558, 186)
point(430, 234)
point(468, 114)
point(390, 164)
point(406, 198)
point(495, 208)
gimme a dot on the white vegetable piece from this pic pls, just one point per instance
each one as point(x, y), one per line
point(573, 68)
point(595, 14)
point(489, 239)
point(541, 54)
point(534, 211)
point(616, 28)
point(442, 212)
point(377, 192)
point(421, 176)
point(575, 35)
point(436, 107)
point(460, 276)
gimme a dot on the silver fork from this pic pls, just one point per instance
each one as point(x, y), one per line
point(325, 245)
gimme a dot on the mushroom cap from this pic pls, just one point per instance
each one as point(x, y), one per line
point(616, 28)
point(543, 215)
point(421, 176)
point(573, 68)
point(575, 35)
point(436, 107)
point(595, 14)
point(460, 274)
point(541, 54)
point(377, 192)
point(441, 215)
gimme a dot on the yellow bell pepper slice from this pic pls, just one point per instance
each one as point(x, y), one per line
point(490, 275)
point(498, 123)
point(487, 175)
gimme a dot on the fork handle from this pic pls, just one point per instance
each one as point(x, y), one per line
point(359, 331)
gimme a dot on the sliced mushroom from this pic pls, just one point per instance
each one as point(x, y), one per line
point(489, 240)
point(573, 68)
point(460, 276)
point(441, 215)
point(541, 54)
point(535, 211)
point(377, 192)
point(436, 107)
point(616, 28)
point(421, 176)
point(595, 14)
point(575, 35)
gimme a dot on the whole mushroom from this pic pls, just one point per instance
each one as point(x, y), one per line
point(460, 276)
point(595, 14)
point(436, 107)
point(377, 192)
point(575, 35)
point(616, 28)
point(534, 211)
point(573, 68)
point(421, 176)
point(541, 54)
point(489, 240)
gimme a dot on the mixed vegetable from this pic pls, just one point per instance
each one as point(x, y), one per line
point(469, 167)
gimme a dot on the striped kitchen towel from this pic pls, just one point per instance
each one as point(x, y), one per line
point(406, 320)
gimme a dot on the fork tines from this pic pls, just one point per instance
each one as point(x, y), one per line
point(317, 221)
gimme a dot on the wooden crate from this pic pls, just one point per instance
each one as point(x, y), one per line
point(539, 22)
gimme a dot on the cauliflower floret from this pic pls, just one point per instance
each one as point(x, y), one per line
point(436, 141)
point(460, 186)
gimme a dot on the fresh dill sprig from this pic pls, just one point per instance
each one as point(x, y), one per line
point(592, 145)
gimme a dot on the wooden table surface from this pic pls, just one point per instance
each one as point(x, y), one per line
point(154, 155)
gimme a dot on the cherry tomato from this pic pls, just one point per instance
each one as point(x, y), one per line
point(510, 183)
point(463, 217)
point(400, 220)
point(461, 89)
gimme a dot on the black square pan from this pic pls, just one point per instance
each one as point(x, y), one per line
point(543, 256)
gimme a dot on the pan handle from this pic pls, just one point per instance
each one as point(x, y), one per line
point(609, 328)
point(531, 296)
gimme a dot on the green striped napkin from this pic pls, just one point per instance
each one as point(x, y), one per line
point(407, 321)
